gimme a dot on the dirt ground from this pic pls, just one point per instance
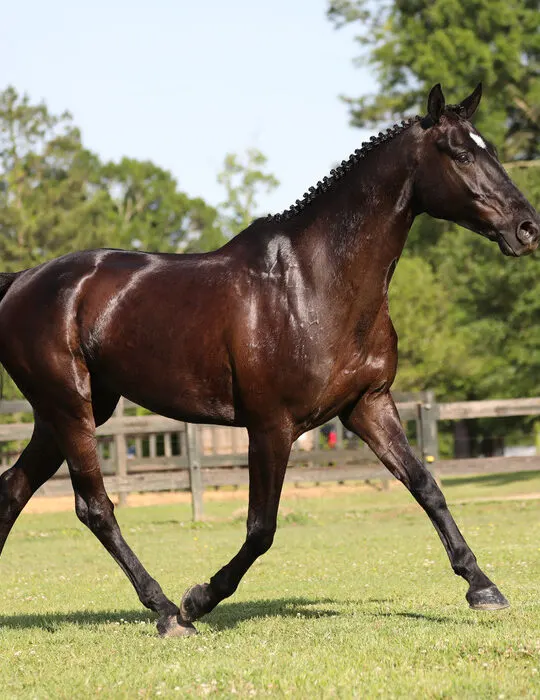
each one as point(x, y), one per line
point(54, 504)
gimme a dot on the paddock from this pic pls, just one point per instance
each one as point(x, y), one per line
point(353, 599)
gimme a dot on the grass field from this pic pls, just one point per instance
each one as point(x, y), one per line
point(355, 599)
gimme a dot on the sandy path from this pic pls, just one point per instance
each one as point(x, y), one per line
point(55, 504)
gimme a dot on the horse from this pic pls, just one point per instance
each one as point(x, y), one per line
point(283, 328)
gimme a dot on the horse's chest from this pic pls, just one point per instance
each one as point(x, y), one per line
point(352, 371)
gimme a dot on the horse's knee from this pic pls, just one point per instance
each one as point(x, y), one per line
point(97, 515)
point(13, 494)
point(100, 516)
point(81, 510)
point(260, 539)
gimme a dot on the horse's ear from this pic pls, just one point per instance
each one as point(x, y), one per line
point(470, 104)
point(436, 103)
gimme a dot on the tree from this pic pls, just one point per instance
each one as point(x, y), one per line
point(242, 180)
point(50, 200)
point(150, 213)
point(56, 196)
point(414, 44)
point(432, 348)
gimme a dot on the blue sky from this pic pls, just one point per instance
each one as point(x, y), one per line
point(183, 83)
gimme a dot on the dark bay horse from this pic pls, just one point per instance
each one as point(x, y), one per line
point(283, 328)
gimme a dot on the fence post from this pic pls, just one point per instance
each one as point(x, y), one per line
point(167, 445)
point(428, 414)
point(194, 466)
point(121, 457)
point(339, 434)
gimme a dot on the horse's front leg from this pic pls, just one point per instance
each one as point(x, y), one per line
point(268, 455)
point(375, 419)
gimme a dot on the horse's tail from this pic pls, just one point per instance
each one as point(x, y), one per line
point(6, 280)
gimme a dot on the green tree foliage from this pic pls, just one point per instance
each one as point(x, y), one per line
point(150, 213)
point(242, 180)
point(431, 348)
point(56, 196)
point(413, 44)
point(50, 200)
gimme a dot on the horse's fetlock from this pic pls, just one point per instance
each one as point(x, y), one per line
point(220, 587)
point(197, 601)
point(152, 596)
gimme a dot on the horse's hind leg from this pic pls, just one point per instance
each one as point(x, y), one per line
point(74, 428)
point(375, 420)
point(268, 456)
point(38, 462)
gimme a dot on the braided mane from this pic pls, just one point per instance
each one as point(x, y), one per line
point(342, 169)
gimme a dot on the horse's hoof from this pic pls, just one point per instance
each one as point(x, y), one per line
point(196, 602)
point(173, 626)
point(489, 598)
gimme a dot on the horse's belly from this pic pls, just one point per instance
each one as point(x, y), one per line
point(194, 386)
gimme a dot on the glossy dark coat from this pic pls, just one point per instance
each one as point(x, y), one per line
point(283, 328)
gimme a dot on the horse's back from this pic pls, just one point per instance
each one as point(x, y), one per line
point(150, 326)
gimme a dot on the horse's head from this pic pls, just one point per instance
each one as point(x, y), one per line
point(460, 178)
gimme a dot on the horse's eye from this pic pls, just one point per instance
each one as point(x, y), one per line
point(464, 158)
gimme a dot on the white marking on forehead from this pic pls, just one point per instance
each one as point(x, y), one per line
point(479, 141)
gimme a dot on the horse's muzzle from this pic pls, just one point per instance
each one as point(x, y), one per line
point(525, 240)
point(528, 234)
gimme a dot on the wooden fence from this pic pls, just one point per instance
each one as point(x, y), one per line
point(151, 453)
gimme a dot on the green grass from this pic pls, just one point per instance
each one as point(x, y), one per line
point(355, 599)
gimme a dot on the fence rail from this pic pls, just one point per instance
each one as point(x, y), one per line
point(194, 457)
point(495, 408)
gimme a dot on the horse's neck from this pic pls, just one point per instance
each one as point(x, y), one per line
point(363, 227)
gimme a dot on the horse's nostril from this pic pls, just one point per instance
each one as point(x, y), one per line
point(527, 232)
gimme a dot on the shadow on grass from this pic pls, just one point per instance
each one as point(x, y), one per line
point(452, 618)
point(53, 622)
point(480, 619)
point(490, 479)
point(421, 617)
point(226, 616)
point(229, 615)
